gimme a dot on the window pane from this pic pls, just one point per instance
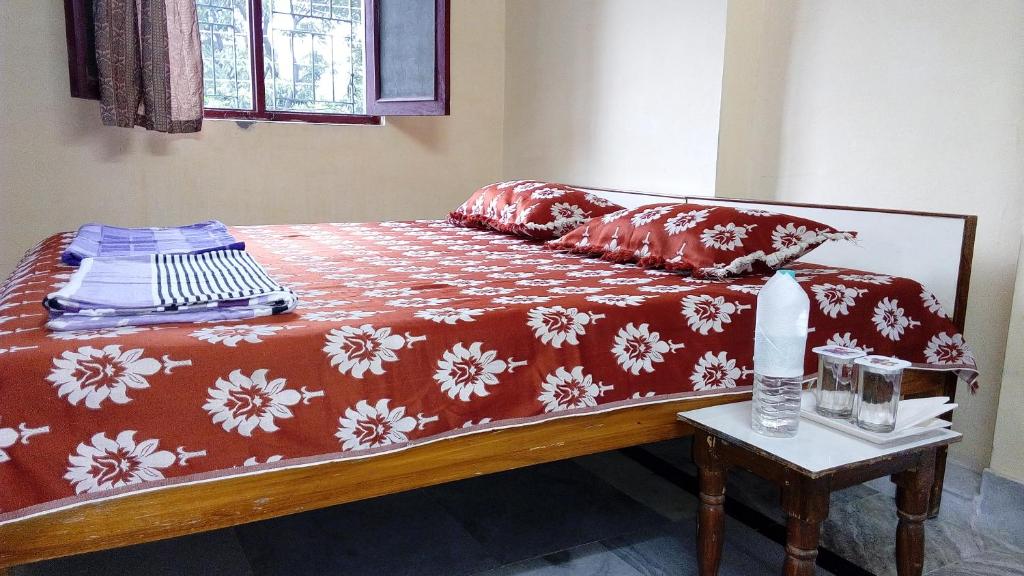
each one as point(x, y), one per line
point(314, 55)
point(407, 39)
point(227, 70)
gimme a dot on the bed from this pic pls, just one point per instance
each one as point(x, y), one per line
point(422, 353)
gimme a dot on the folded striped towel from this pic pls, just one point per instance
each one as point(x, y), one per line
point(166, 288)
point(100, 240)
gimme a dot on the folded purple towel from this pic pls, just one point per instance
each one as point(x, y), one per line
point(95, 240)
point(166, 288)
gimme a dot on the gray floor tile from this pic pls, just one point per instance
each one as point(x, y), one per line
point(209, 554)
point(958, 509)
point(864, 532)
point(401, 534)
point(672, 550)
point(756, 493)
point(676, 452)
point(851, 494)
point(961, 480)
point(587, 560)
point(883, 485)
point(535, 511)
point(639, 483)
point(985, 564)
point(1000, 506)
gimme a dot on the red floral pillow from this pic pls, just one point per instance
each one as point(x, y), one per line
point(530, 208)
point(709, 241)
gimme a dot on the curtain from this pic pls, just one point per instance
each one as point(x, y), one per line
point(150, 63)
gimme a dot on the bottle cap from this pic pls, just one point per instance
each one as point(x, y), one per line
point(787, 272)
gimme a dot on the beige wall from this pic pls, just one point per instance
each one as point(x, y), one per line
point(614, 93)
point(913, 105)
point(59, 167)
point(1008, 448)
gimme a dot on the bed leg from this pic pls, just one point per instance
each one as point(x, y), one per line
point(935, 500)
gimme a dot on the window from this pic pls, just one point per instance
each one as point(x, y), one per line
point(311, 52)
point(336, 61)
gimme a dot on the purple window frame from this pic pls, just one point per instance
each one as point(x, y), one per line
point(84, 77)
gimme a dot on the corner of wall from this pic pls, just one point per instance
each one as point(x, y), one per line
point(1007, 448)
point(758, 34)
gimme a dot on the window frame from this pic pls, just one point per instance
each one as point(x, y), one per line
point(82, 68)
point(259, 112)
point(84, 76)
point(437, 105)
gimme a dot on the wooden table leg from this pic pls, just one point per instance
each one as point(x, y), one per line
point(913, 490)
point(711, 517)
point(935, 500)
point(805, 501)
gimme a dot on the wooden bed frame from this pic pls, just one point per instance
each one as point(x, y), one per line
point(186, 509)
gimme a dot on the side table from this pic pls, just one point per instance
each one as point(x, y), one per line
point(808, 468)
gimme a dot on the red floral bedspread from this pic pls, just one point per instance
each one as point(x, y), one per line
point(407, 332)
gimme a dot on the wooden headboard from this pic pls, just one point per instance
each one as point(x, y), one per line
point(934, 249)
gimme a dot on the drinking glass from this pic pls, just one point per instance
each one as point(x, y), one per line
point(837, 386)
point(878, 397)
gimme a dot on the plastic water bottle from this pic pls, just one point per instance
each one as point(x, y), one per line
point(780, 338)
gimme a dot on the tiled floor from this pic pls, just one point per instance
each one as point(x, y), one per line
point(605, 514)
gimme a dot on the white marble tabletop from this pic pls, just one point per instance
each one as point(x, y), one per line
point(815, 450)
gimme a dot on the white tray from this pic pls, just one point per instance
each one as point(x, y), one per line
point(807, 411)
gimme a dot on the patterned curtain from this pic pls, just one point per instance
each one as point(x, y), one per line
point(150, 64)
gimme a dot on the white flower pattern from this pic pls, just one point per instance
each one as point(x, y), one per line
point(846, 340)
point(547, 193)
point(449, 315)
point(620, 300)
point(714, 371)
point(369, 426)
point(836, 299)
point(686, 220)
point(105, 464)
point(638, 349)
point(879, 279)
point(355, 350)
point(890, 319)
point(99, 374)
point(649, 215)
point(522, 299)
point(248, 402)
point(931, 302)
point(231, 336)
point(569, 389)
point(666, 289)
point(725, 236)
point(556, 325)
point(791, 235)
point(576, 290)
point(97, 333)
point(705, 313)
point(946, 349)
point(338, 315)
point(467, 371)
